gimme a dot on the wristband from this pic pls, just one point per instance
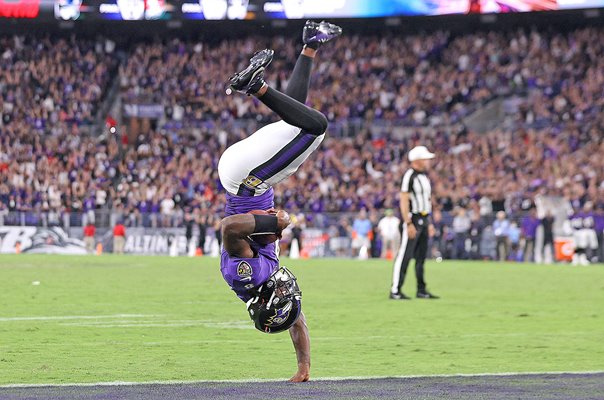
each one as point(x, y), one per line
point(265, 224)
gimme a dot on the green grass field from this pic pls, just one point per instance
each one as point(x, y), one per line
point(110, 318)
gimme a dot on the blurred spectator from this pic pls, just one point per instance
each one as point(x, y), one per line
point(461, 229)
point(477, 225)
point(119, 238)
point(546, 252)
point(599, 228)
point(488, 244)
point(514, 242)
point(297, 229)
point(361, 227)
point(3, 213)
point(389, 231)
point(89, 232)
point(529, 226)
point(584, 234)
point(167, 211)
point(217, 231)
point(189, 222)
point(340, 241)
point(501, 228)
point(375, 241)
point(202, 220)
point(436, 247)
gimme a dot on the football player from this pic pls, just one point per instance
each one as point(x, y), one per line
point(248, 170)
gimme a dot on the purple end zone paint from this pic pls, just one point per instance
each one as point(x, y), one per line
point(579, 386)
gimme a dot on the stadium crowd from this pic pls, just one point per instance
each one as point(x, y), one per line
point(48, 85)
point(50, 89)
point(429, 79)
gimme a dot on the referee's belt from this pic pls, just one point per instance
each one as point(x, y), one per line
point(422, 214)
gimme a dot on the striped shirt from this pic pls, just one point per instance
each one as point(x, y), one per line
point(418, 186)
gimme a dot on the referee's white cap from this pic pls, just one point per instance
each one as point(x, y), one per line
point(419, 153)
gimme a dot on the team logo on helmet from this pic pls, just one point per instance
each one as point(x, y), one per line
point(244, 270)
point(281, 315)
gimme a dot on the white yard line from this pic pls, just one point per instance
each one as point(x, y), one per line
point(234, 325)
point(334, 378)
point(68, 317)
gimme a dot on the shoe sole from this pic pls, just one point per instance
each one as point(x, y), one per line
point(258, 65)
point(236, 79)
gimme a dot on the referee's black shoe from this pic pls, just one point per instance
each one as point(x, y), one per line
point(424, 294)
point(399, 296)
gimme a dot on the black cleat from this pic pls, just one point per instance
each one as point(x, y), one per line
point(317, 33)
point(399, 296)
point(251, 79)
point(424, 294)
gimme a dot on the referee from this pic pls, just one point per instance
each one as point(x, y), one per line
point(416, 206)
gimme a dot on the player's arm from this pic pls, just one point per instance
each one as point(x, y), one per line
point(301, 340)
point(236, 229)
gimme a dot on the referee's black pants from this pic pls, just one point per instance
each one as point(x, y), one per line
point(416, 248)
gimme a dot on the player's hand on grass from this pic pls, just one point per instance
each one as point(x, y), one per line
point(303, 374)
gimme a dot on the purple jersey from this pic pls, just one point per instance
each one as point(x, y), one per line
point(582, 220)
point(529, 226)
point(599, 222)
point(243, 274)
point(244, 204)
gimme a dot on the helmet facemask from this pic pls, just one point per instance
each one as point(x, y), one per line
point(277, 302)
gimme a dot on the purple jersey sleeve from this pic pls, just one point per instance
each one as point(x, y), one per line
point(244, 274)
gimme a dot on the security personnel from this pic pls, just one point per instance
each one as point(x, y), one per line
point(416, 207)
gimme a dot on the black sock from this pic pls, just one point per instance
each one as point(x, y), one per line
point(295, 113)
point(297, 87)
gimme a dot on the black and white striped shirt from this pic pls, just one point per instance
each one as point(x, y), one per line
point(418, 186)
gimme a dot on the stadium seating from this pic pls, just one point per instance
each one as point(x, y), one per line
point(50, 89)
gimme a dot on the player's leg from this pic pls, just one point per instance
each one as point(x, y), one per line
point(293, 112)
point(290, 109)
point(313, 36)
point(299, 81)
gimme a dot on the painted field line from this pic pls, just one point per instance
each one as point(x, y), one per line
point(333, 378)
point(167, 325)
point(68, 317)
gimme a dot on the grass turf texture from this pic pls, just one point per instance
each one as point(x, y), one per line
point(156, 318)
